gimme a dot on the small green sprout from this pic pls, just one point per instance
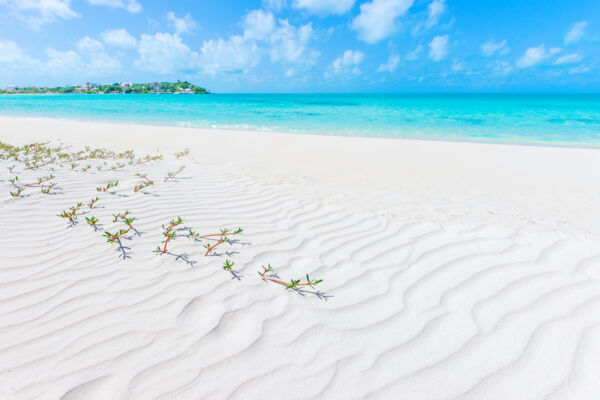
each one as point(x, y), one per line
point(112, 238)
point(17, 193)
point(228, 265)
point(169, 235)
point(92, 221)
point(92, 202)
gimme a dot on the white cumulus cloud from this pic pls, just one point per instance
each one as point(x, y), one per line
point(181, 25)
point(258, 24)
point(263, 35)
point(576, 33)
point(348, 62)
point(233, 55)
point(130, 5)
point(63, 61)
point(119, 38)
point(492, 47)
point(164, 53)
point(536, 55)
point(89, 45)
point(324, 7)
point(378, 18)
point(10, 52)
point(438, 47)
point(290, 44)
point(96, 60)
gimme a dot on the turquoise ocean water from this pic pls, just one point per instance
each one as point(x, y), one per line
point(554, 120)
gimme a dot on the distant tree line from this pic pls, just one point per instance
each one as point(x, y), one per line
point(123, 87)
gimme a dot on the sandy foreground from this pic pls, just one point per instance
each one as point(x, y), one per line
point(450, 270)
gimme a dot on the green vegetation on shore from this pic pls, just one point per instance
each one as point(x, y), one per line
point(123, 87)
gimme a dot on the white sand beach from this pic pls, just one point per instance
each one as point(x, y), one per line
point(450, 270)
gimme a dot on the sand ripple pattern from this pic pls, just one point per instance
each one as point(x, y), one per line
point(420, 309)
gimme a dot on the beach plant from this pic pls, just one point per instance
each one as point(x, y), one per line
point(17, 193)
point(172, 175)
point(118, 166)
point(71, 215)
point(120, 216)
point(148, 182)
point(92, 221)
point(228, 266)
point(224, 232)
point(107, 187)
point(222, 238)
point(129, 223)
point(86, 168)
point(73, 166)
point(181, 154)
point(294, 284)
point(168, 234)
point(141, 186)
point(149, 158)
point(210, 247)
point(47, 189)
point(41, 180)
point(92, 202)
point(10, 169)
point(115, 237)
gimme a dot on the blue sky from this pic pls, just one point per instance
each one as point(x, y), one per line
point(306, 45)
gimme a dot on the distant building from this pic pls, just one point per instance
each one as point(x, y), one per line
point(126, 84)
point(186, 91)
point(11, 88)
point(156, 87)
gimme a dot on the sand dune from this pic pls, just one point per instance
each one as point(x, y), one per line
point(431, 296)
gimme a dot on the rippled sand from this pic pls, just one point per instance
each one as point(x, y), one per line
point(431, 295)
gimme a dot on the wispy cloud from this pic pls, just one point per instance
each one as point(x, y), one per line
point(492, 47)
point(536, 55)
point(435, 9)
point(324, 7)
point(568, 59)
point(391, 65)
point(582, 69)
point(129, 5)
point(414, 55)
point(458, 65)
point(39, 12)
point(576, 33)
